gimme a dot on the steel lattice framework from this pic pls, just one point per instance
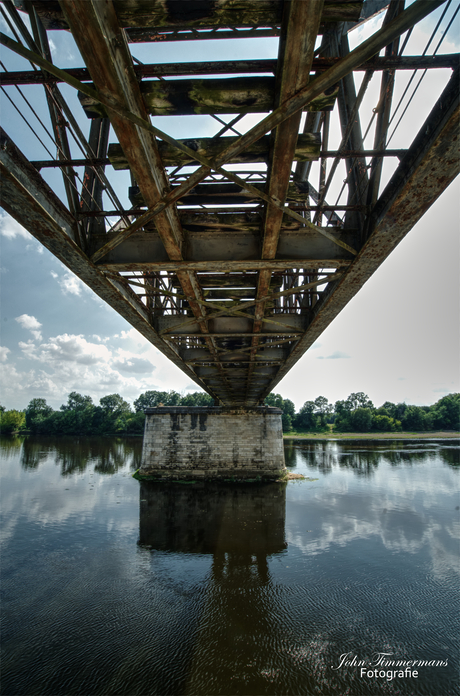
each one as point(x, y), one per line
point(231, 260)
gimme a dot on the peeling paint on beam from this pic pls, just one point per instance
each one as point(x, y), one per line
point(232, 95)
point(224, 266)
point(168, 16)
point(228, 193)
point(307, 148)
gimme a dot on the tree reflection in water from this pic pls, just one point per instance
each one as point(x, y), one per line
point(74, 454)
point(364, 456)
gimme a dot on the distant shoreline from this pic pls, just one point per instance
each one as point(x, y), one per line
point(435, 435)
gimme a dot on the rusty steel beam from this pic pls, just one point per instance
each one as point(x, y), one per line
point(206, 322)
point(224, 95)
point(224, 266)
point(102, 44)
point(96, 32)
point(236, 67)
point(307, 148)
point(156, 16)
point(33, 204)
point(431, 164)
point(417, 11)
point(297, 43)
point(406, 19)
point(328, 154)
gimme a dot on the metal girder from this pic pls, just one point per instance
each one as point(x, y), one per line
point(160, 16)
point(103, 46)
point(430, 165)
point(32, 77)
point(235, 283)
point(297, 43)
point(30, 201)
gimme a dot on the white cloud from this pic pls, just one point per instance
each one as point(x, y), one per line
point(71, 348)
point(4, 353)
point(337, 355)
point(135, 365)
point(11, 229)
point(29, 349)
point(28, 322)
point(70, 284)
point(131, 334)
point(35, 245)
point(32, 324)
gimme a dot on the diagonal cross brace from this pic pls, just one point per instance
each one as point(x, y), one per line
point(416, 12)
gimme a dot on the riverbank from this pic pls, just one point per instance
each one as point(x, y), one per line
point(432, 435)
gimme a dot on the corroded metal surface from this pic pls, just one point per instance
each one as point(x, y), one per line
point(230, 262)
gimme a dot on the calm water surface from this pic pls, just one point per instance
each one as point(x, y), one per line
point(111, 586)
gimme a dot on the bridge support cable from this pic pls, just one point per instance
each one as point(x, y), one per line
point(384, 108)
point(39, 43)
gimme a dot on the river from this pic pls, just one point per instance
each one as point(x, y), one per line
point(114, 586)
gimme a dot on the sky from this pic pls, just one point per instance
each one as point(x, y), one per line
point(397, 340)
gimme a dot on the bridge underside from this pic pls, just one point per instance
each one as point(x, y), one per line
point(230, 257)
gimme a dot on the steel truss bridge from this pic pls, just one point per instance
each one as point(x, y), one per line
point(232, 258)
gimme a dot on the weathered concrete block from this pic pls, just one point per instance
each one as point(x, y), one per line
point(183, 443)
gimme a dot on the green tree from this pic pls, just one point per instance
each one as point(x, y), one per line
point(306, 419)
point(136, 423)
point(413, 419)
point(197, 399)
point(77, 402)
point(361, 420)
point(150, 399)
point(12, 420)
point(342, 417)
point(77, 415)
point(388, 409)
point(286, 405)
point(36, 413)
point(446, 412)
point(358, 400)
point(383, 423)
point(323, 408)
point(114, 405)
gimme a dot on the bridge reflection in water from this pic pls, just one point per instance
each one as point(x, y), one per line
point(241, 527)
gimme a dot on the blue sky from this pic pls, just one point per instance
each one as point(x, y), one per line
point(397, 340)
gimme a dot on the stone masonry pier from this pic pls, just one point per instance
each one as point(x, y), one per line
point(212, 443)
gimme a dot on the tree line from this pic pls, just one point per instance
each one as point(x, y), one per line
point(80, 416)
point(357, 413)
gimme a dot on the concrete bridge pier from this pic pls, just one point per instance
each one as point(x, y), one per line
point(212, 443)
